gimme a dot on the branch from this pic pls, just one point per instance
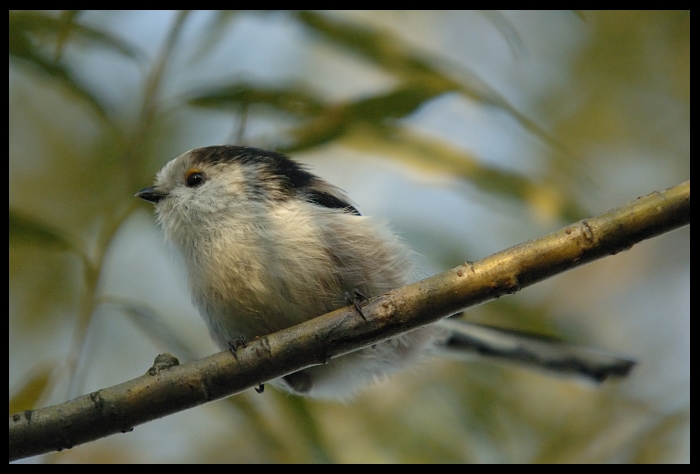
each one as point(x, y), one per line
point(168, 387)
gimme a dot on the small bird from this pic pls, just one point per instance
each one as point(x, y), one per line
point(267, 245)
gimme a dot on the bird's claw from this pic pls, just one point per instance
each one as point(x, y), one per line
point(235, 344)
point(356, 300)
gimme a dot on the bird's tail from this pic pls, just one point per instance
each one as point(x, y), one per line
point(465, 338)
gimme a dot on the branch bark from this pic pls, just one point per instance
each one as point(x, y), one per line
point(168, 387)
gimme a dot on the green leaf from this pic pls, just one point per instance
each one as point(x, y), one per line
point(335, 120)
point(31, 390)
point(25, 230)
point(294, 100)
point(39, 25)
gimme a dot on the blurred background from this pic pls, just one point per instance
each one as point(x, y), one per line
point(470, 131)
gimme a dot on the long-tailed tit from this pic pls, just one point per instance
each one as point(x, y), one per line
point(267, 245)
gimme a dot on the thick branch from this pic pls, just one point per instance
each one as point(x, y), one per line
point(167, 387)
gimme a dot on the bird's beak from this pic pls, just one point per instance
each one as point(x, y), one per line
point(150, 194)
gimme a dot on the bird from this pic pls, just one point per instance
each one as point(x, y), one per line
point(267, 244)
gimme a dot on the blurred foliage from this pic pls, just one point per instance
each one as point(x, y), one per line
point(77, 156)
point(37, 40)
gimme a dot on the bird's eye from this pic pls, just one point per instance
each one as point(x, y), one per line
point(194, 178)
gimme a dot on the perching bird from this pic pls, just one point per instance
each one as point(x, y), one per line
point(267, 245)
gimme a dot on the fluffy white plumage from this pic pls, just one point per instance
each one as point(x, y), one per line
point(260, 256)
